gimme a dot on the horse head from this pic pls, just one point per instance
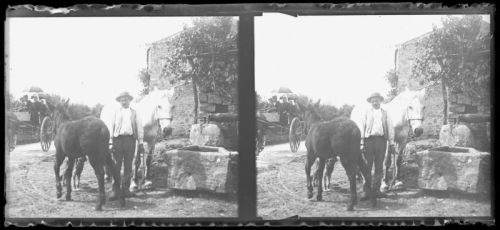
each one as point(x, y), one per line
point(163, 109)
point(311, 115)
point(60, 114)
point(415, 112)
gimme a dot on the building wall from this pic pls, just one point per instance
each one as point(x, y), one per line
point(183, 99)
point(458, 103)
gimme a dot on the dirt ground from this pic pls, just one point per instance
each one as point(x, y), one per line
point(282, 191)
point(31, 193)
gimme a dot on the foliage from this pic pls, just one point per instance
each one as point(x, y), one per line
point(145, 78)
point(205, 54)
point(458, 55)
point(392, 78)
point(327, 112)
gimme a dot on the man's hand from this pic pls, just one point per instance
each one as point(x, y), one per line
point(392, 148)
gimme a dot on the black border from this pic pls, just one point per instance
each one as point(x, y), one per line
point(247, 192)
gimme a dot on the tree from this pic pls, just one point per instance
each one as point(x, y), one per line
point(457, 55)
point(206, 55)
point(392, 78)
point(145, 78)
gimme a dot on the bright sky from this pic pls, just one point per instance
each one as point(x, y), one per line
point(338, 59)
point(86, 59)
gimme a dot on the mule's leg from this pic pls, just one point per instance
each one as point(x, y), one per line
point(349, 162)
point(67, 177)
point(57, 166)
point(97, 161)
point(321, 169)
point(112, 169)
point(309, 162)
point(329, 170)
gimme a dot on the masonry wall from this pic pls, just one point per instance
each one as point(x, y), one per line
point(458, 102)
point(183, 99)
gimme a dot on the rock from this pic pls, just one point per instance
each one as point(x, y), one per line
point(456, 135)
point(454, 168)
point(206, 134)
point(457, 108)
point(207, 108)
point(212, 98)
point(203, 97)
point(194, 167)
point(408, 171)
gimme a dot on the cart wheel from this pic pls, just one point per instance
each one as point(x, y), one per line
point(13, 142)
point(260, 142)
point(295, 134)
point(46, 134)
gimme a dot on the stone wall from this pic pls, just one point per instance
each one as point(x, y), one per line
point(183, 99)
point(458, 103)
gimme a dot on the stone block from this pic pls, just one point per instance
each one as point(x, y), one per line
point(205, 168)
point(409, 169)
point(454, 168)
point(206, 134)
point(210, 108)
point(214, 99)
point(203, 97)
point(456, 135)
point(457, 108)
point(461, 98)
point(453, 98)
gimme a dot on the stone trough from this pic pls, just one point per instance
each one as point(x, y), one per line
point(194, 167)
point(460, 169)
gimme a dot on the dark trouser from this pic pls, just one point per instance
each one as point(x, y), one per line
point(124, 152)
point(375, 147)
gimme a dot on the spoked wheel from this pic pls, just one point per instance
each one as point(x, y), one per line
point(46, 134)
point(295, 134)
point(260, 141)
point(13, 142)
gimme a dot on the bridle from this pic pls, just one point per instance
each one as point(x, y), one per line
point(410, 130)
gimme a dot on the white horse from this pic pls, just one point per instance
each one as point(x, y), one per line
point(155, 112)
point(406, 114)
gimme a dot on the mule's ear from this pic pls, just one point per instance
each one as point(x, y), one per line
point(317, 103)
point(66, 103)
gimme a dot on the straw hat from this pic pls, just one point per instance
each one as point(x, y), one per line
point(375, 95)
point(124, 94)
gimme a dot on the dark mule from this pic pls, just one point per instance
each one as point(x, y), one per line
point(89, 137)
point(328, 139)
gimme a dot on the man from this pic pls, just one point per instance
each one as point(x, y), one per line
point(376, 133)
point(126, 130)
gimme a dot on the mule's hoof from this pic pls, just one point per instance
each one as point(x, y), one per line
point(68, 198)
point(58, 195)
point(98, 208)
point(319, 198)
point(374, 204)
point(350, 208)
point(309, 195)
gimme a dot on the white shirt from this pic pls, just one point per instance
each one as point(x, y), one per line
point(377, 128)
point(122, 124)
point(123, 116)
